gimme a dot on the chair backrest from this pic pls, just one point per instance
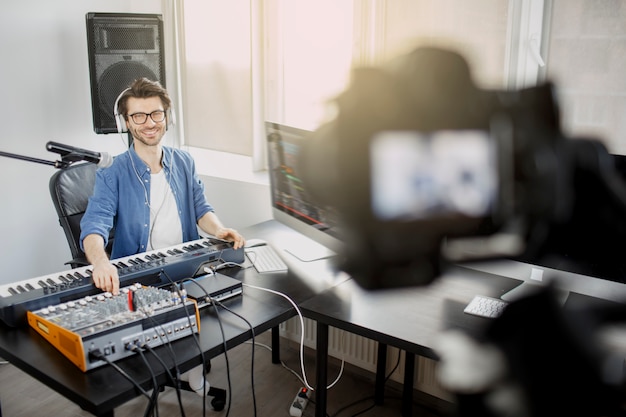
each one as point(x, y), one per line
point(70, 190)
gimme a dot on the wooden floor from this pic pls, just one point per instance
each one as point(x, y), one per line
point(275, 387)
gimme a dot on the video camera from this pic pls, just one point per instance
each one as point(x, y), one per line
point(423, 168)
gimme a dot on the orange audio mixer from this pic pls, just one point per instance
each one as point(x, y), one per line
point(85, 330)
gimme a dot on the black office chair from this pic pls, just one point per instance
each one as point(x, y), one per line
point(70, 189)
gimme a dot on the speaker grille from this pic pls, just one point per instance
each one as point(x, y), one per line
point(122, 48)
point(127, 38)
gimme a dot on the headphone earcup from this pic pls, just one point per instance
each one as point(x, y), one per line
point(171, 118)
point(120, 122)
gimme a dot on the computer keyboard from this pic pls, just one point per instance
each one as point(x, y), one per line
point(265, 259)
point(484, 306)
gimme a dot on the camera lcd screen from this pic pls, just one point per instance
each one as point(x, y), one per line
point(420, 176)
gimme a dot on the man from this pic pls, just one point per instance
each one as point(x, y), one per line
point(150, 193)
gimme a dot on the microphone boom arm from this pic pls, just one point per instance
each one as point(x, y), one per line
point(57, 164)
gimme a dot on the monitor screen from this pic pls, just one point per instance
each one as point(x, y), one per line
point(291, 203)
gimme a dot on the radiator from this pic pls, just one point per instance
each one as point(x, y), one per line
point(362, 352)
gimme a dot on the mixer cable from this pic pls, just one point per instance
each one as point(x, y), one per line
point(165, 340)
point(197, 342)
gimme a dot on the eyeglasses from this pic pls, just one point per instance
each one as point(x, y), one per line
point(157, 116)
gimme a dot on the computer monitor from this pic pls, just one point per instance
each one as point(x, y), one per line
point(291, 203)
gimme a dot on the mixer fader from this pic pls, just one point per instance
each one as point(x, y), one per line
point(109, 325)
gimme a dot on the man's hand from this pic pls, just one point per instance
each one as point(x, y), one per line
point(226, 233)
point(105, 277)
point(104, 273)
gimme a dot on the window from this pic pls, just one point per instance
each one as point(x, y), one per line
point(247, 61)
point(308, 56)
point(586, 58)
point(311, 46)
point(217, 75)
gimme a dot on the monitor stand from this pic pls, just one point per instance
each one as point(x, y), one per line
point(308, 250)
point(529, 288)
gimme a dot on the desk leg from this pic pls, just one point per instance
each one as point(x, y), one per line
point(321, 370)
point(275, 345)
point(381, 369)
point(407, 392)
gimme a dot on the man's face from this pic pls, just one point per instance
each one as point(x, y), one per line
point(149, 133)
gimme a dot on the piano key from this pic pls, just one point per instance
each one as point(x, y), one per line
point(79, 279)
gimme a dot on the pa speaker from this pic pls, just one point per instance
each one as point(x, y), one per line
point(122, 47)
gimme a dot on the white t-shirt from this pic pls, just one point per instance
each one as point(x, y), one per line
point(165, 227)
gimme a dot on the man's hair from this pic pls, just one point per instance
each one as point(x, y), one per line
point(143, 88)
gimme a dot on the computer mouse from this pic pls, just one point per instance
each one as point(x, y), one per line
point(251, 243)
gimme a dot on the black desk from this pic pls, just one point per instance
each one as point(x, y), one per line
point(100, 390)
point(407, 318)
point(412, 319)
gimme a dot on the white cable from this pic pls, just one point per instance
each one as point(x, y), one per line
point(281, 362)
point(305, 381)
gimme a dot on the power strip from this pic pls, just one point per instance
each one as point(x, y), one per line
point(299, 403)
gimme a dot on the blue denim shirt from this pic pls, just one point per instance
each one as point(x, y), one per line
point(122, 193)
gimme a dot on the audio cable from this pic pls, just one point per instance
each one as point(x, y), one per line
point(219, 321)
point(97, 354)
point(174, 381)
point(154, 402)
point(162, 334)
point(219, 303)
point(295, 306)
point(197, 342)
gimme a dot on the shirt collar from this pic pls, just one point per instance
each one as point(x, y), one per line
point(166, 159)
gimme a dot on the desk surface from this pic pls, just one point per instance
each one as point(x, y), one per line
point(408, 318)
point(100, 390)
point(413, 318)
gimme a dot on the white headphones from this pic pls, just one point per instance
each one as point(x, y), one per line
point(120, 120)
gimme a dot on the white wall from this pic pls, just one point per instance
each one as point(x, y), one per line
point(45, 91)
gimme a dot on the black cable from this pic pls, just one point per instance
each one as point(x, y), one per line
point(165, 340)
point(175, 382)
point(195, 338)
point(252, 359)
point(96, 354)
point(154, 402)
point(219, 321)
point(230, 390)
